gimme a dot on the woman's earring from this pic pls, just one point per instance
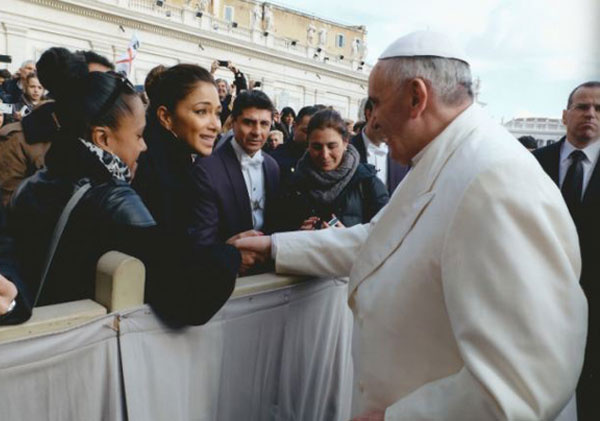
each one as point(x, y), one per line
point(173, 133)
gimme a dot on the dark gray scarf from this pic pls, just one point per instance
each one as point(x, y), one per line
point(326, 186)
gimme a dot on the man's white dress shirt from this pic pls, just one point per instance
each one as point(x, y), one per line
point(377, 156)
point(591, 153)
point(255, 182)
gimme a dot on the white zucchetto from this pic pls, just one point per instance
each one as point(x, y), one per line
point(424, 43)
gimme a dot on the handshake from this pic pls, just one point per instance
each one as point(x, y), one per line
point(254, 246)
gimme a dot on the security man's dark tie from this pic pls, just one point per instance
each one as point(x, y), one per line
point(573, 182)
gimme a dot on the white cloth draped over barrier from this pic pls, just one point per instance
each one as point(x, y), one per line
point(275, 355)
point(72, 375)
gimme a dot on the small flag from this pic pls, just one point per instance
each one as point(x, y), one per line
point(125, 62)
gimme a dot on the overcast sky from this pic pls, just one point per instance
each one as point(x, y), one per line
point(528, 54)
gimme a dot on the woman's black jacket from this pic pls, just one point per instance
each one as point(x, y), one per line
point(182, 288)
point(358, 202)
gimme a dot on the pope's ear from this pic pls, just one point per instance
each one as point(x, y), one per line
point(164, 117)
point(100, 137)
point(419, 96)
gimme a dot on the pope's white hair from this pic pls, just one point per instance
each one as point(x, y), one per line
point(450, 79)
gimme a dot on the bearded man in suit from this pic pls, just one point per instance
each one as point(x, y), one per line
point(573, 165)
point(464, 288)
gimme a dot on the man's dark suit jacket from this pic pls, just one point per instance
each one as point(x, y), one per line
point(221, 205)
point(287, 156)
point(396, 171)
point(587, 221)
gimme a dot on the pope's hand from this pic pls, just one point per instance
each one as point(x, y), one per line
point(8, 292)
point(254, 250)
point(260, 245)
point(249, 233)
point(249, 258)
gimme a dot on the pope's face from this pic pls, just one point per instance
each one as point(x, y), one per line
point(582, 116)
point(391, 115)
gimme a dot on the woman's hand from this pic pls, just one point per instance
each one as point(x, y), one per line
point(8, 292)
point(249, 257)
point(254, 250)
point(310, 223)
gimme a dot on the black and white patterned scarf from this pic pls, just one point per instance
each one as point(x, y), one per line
point(117, 168)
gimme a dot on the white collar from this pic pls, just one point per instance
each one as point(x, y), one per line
point(591, 151)
point(370, 145)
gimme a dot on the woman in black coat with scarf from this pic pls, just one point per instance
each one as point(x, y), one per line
point(182, 124)
point(102, 120)
point(330, 183)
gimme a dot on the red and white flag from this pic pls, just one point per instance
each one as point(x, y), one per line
point(125, 62)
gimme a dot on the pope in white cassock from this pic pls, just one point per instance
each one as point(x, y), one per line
point(464, 288)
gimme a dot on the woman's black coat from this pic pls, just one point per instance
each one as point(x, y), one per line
point(182, 288)
point(360, 200)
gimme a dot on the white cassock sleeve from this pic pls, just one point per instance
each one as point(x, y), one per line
point(327, 252)
point(510, 273)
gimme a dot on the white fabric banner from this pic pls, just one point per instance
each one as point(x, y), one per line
point(275, 355)
point(279, 355)
point(71, 375)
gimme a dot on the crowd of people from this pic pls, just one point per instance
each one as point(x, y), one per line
point(161, 172)
point(467, 282)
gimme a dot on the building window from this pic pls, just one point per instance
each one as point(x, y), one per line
point(228, 15)
point(340, 41)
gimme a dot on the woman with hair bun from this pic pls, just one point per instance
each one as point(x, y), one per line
point(102, 121)
point(330, 185)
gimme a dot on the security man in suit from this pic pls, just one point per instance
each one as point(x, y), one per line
point(373, 149)
point(573, 165)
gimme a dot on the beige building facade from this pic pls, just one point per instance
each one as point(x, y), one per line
point(300, 59)
point(545, 130)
